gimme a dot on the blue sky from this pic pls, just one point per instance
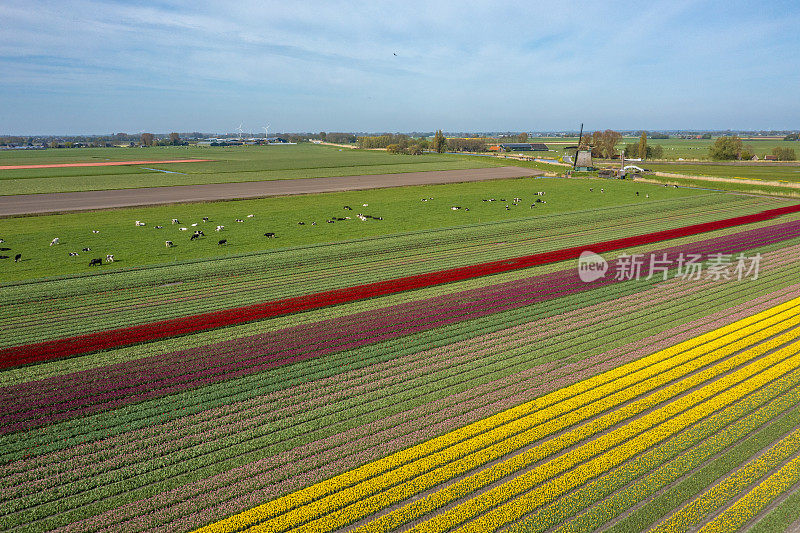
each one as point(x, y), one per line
point(70, 67)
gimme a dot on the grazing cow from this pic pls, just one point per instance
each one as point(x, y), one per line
point(223, 241)
point(194, 236)
point(140, 223)
point(87, 249)
point(2, 240)
point(95, 231)
point(159, 227)
point(313, 223)
point(3, 257)
point(4, 249)
point(17, 258)
point(591, 189)
point(602, 190)
point(73, 254)
point(270, 235)
point(502, 199)
point(184, 229)
point(250, 216)
point(647, 196)
point(361, 217)
point(195, 224)
point(98, 261)
point(533, 205)
point(301, 223)
point(168, 244)
point(348, 208)
point(109, 258)
point(54, 241)
point(175, 221)
point(364, 205)
point(424, 199)
point(330, 221)
point(205, 219)
point(220, 228)
point(455, 208)
point(637, 193)
point(239, 220)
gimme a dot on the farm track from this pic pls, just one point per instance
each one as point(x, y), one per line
point(24, 204)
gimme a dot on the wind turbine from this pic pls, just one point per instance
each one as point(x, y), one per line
point(266, 132)
point(240, 130)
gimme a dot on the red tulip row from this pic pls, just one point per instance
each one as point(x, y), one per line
point(45, 351)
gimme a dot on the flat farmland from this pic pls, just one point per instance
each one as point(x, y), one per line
point(776, 173)
point(529, 400)
point(230, 165)
point(395, 211)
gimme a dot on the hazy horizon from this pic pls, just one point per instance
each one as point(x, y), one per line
point(73, 68)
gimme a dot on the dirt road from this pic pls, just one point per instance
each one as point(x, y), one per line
point(88, 200)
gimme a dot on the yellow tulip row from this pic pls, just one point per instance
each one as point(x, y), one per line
point(312, 502)
point(372, 495)
point(694, 512)
point(423, 506)
point(755, 500)
point(539, 486)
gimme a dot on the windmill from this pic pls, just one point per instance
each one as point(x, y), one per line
point(266, 132)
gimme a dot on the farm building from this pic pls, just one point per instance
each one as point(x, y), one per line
point(521, 147)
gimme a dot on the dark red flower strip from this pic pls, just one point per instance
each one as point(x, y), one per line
point(347, 332)
point(60, 348)
point(135, 385)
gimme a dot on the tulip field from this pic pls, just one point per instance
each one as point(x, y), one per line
point(466, 379)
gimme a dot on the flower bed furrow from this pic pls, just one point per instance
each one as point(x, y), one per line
point(550, 401)
point(779, 402)
point(218, 371)
point(364, 507)
point(671, 419)
point(114, 517)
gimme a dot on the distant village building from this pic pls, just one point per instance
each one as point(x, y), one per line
point(519, 147)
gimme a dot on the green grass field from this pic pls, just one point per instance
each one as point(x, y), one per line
point(229, 165)
point(402, 210)
point(746, 187)
point(752, 172)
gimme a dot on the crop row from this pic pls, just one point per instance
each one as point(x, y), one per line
point(508, 502)
point(65, 488)
point(713, 498)
point(741, 423)
point(110, 309)
point(549, 406)
point(130, 335)
point(234, 425)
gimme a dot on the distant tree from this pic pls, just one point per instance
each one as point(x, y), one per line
point(659, 136)
point(322, 135)
point(439, 142)
point(655, 152)
point(522, 138)
point(643, 145)
point(747, 153)
point(705, 136)
point(726, 148)
point(458, 144)
point(147, 139)
point(393, 148)
point(791, 137)
point(174, 138)
point(784, 154)
point(604, 143)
